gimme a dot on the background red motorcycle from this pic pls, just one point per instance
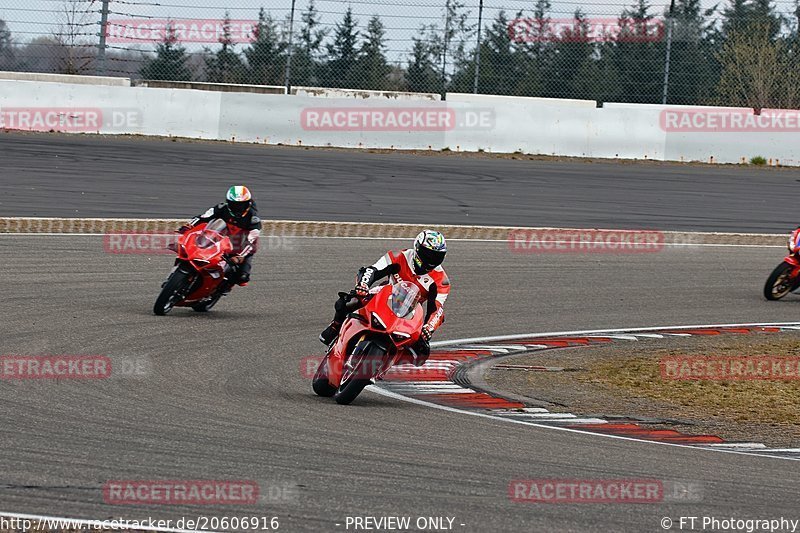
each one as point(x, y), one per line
point(202, 265)
point(786, 276)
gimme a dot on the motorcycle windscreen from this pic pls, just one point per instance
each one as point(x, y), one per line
point(404, 298)
point(207, 241)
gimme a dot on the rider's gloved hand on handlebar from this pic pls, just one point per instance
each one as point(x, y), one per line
point(361, 290)
point(427, 331)
point(184, 228)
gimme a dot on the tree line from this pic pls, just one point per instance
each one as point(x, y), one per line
point(744, 53)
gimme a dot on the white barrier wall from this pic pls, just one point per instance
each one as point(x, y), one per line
point(464, 122)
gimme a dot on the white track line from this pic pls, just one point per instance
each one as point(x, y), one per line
point(517, 336)
point(397, 396)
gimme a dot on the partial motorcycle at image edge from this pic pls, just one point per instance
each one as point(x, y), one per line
point(385, 331)
point(786, 276)
point(203, 264)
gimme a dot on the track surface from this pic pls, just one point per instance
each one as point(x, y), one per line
point(85, 176)
point(226, 398)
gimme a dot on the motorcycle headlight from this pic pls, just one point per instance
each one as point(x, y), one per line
point(399, 336)
point(377, 323)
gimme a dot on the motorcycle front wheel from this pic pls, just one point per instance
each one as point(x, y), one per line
point(320, 383)
point(353, 380)
point(171, 293)
point(780, 282)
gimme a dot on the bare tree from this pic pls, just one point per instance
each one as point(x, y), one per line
point(75, 52)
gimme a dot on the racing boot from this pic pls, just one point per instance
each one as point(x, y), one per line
point(330, 333)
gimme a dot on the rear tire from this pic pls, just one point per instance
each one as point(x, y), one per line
point(350, 389)
point(167, 299)
point(320, 383)
point(779, 283)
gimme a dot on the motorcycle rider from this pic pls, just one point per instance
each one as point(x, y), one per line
point(420, 265)
point(244, 227)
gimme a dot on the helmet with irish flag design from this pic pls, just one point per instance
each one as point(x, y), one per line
point(239, 201)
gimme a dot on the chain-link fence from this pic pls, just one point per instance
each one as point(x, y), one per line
point(738, 52)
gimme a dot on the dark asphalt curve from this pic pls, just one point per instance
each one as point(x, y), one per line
point(90, 176)
point(224, 396)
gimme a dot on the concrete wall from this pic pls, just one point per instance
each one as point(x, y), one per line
point(463, 122)
point(65, 78)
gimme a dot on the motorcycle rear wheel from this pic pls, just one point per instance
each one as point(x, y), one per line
point(351, 387)
point(779, 283)
point(170, 294)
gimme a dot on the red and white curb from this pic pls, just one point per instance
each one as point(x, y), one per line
point(442, 383)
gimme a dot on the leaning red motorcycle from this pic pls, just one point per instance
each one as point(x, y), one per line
point(372, 339)
point(200, 268)
point(786, 276)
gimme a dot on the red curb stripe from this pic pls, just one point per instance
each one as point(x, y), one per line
point(695, 331)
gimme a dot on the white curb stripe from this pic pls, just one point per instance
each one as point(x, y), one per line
point(540, 417)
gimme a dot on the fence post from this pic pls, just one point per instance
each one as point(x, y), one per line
point(101, 47)
point(669, 50)
point(478, 49)
point(290, 48)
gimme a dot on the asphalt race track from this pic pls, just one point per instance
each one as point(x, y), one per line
point(224, 397)
point(91, 176)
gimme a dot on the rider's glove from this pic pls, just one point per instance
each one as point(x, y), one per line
point(361, 290)
point(427, 331)
point(184, 228)
point(237, 259)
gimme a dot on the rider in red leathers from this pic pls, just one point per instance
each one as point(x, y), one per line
point(420, 265)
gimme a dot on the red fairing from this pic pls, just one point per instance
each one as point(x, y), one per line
point(376, 319)
point(204, 251)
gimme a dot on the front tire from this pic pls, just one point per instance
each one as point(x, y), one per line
point(171, 293)
point(320, 383)
point(780, 282)
point(353, 382)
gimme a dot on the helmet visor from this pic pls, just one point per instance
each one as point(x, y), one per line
point(430, 259)
point(239, 209)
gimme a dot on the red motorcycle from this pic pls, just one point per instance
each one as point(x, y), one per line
point(202, 265)
point(786, 276)
point(372, 339)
